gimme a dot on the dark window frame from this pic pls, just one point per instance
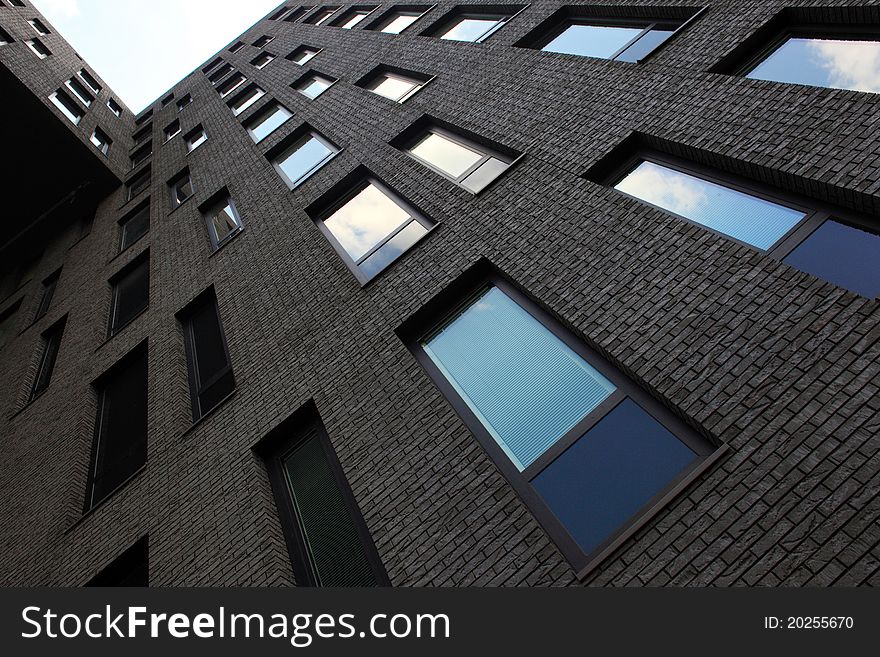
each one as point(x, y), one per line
point(312, 74)
point(455, 300)
point(268, 56)
point(184, 101)
point(50, 344)
point(312, 19)
point(138, 183)
point(352, 189)
point(291, 56)
point(115, 107)
point(816, 212)
point(223, 196)
point(90, 80)
point(167, 99)
point(48, 288)
point(264, 40)
point(274, 448)
point(298, 138)
point(141, 260)
point(423, 79)
point(123, 222)
point(351, 12)
point(502, 13)
point(295, 14)
point(262, 116)
point(174, 185)
point(388, 16)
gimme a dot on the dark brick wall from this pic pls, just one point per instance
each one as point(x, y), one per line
point(782, 367)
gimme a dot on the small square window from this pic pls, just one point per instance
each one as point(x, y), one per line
point(303, 54)
point(301, 155)
point(167, 99)
point(212, 65)
point(38, 26)
point(141, 155)
point(263, 41)
point(134, 226)
point(184, 100)
point(222, 219)
point(267, 121)
point(246, 99)
point(312, 85)
point(38, 48)
point(220, 73)
point(262, 60)
point(79, 91)
point(138, 184)
point(232, 83)
point(131, 293)
point(181, 189)
point(5, 38)
point(281, 14)
point(90, 80)
point(115, 107)
point(321, 16)
point(472, 22)
point(371, 226)
point(399, 18)
point(195, 138)
point(353, 16)
point(172, 130)
point(236, 47)
point(101, 141)
point(395, 84)
point(294, 14)
point(143, 134)
point(144, 117)
point(67, 106)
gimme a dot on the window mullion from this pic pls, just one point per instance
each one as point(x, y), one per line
point(632, 41)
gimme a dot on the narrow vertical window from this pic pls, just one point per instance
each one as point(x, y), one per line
point(207, 356)
point(50, 345)
point(131, 293)
point(134, 226)
point(222, 219)
point(67, 106)
point(48, 291)
point(180, 188)
point(119, 449)
point(101, 141)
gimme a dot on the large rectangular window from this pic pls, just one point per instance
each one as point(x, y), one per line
point(327, 538)
point(830, 243)
point(120, 445)
point(399, 18)
point(474, 23)
point(300, 156)
point(50, 343)
point(371, 226)
point(131, 293)
point(592, 454)
point(207, 356)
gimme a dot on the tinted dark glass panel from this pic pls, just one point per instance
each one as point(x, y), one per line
point(135, 227)
point(49, 286)
point(131, 568)
point(843, 255)
point(603, 479)
point(51, 344)
point(210, 352)
point(131, 295)
point(122, 428)
point(335, 550)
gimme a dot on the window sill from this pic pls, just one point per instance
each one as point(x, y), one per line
point(121, 329)
point(29, 403)
point(180, 205)
point(109, 496)
point(226, 243)
point(128, 249)
point(214, 409)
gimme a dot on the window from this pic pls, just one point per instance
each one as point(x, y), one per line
point(827, 242)
point(79, 91)
point(131, 293)
point(167, 99)
point(144, 133)
point(181, 188)
point(50, 344)
point(267, 121)
point(371, 226)
point(398, 18)
point(67, 106)
point(172, 130)
point(353, 16)
point(231, 84)
point(303, 54)
point(38, 48)
point(280, 14)
point(395, 84)
point(115, 107)
point(5, 38)
point(212, 65)
point(184, 101)
point(312, 85)
point(246, 99)
point(473, 23)
point(296, 13)
point(141, 155)
point(621, 40)
point(220, 73)
point(463, 161)
point(38, 26)
point(822, 59)
point(305, 154)
point(138, 184)
point(222, 219)
point(326, 536)
point(321, 16)
point(593, 455)
point(234, 48)
point(48, 291)
point(90, 80)
point(120, 445)
point(263, 41)
point(207, 356)
point(101, 141)
point(195, 138)
point(262, 60)
point(144, 117)
point(134, 226)
point(131, 568)
point(17, 3)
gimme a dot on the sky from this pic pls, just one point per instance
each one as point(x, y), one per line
point(141, 48)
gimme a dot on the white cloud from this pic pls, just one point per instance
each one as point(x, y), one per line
point(668, 189)
point(850, 64)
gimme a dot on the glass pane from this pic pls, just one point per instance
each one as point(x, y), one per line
point(611, 472)
point(741, 216)
point(484, 174)
point(337, 555)
point(821, 62)
point(394, 87)
point(592, 40)
point(447, 155)
point(135, 228)
point(843, 255)
point(132, 295)
point(527, 387)
point(470, 29)
point(304, 56)
point(314, 87)
point(365, 221)
point(354, 20)
point(268, 123)
point(210, 353)
point(251, 98)
point(300, 161)
point(224, 223)
point(644, 46)
point(197, 141)
point(399, 24)
point(393, 248)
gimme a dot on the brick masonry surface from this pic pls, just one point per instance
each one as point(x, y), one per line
point(780, 366)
